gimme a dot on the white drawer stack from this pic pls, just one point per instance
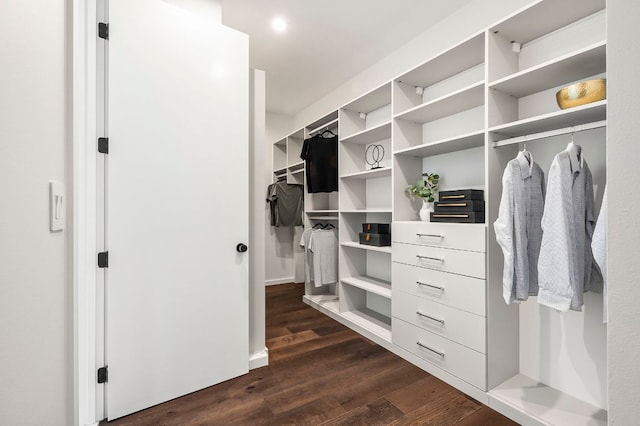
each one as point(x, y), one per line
point(438, 302)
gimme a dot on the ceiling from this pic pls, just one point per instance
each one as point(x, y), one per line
point(327, 42)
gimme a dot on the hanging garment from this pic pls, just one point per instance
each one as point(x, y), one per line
point(308, 255)
point(286, 204)
point(321, 163)
point(321, 256)
point(599, 247)
point(518, 227)
point(566, 268)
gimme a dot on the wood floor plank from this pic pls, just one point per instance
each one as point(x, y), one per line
point(321, 372)
point(398, 375)
point(485, 416)
point(311, 413)
point(445, 410)
point(379, 412)
point(291, 339)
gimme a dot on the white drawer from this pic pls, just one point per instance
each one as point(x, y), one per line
point(454, 324)
point(459, 291)
point(462, 262)
point(458, 360)
point(461, 236)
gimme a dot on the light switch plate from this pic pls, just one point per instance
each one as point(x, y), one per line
point(56, 206)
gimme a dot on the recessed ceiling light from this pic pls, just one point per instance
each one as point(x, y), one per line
point(279, 24)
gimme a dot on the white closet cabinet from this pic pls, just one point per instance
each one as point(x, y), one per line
point(435, 296)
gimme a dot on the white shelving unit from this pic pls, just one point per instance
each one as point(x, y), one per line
point(463, 114)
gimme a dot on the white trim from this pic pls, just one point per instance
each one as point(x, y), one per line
point(277, 281)
point(84, 212)
point(259, 359)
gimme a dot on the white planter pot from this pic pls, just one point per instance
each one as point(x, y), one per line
point(425, 211)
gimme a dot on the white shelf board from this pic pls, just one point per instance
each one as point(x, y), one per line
point(371, 135)
point(372, 285)
point(463, 56)
point(317, 212)
point(361, 322)
point(296, 166)
point(297, 172)
point(322, 121)
point(369, 174)
point(371, 101)
point(444, 146)
point(524, 399)
point(328, 301)
point(280, 171)
point(369, 320)
point(595, 111)
point(323, 217)
point(543, 18)
point(386, 249)
point(574, 66)
point(365, 211)
point(458, 101)
point(282, 143)
point(330, 125)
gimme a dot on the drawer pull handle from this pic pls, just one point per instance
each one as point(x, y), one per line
point(430, 285)
point(430, 235)
point(429, 349)
point(436, 259)
point(441, 321)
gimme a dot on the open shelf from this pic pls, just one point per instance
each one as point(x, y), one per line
point(372, 321)
point(523, 398)
point(365, 211)
point(545, 17)
point(296, 166)
point(369, 174)
point(595, 111)
point(573, 66)
point(281, 171)
point(372, 100)
point(461, 100)
point(329, 125)
point(372, 285)
point(386, 249)
point(443, 146)
point(317, 212)
point(297, 172)
point(329, 302)
point(371, 135)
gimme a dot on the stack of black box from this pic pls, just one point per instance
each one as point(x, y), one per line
point(460, 206)
point(376, 234)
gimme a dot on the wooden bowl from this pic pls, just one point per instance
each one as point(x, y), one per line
point(582, 93)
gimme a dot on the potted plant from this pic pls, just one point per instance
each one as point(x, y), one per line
point(425, 189)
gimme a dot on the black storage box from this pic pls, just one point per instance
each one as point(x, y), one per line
point(459, 217)
point(378, 240)
point(376, 228)
point(459, 206)
point(461, 194)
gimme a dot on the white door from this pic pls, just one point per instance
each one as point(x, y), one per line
point(177, 289)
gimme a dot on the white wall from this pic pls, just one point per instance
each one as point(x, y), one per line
point(623, 151)
point(279, 241)
point(257, 148)
point(35, 309)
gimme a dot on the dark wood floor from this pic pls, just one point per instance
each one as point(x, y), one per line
point(320, 372)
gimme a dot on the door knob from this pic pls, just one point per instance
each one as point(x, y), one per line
point(241, 248)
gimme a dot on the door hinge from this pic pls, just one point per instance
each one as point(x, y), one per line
point(103, 375)
point(103, 30)
point(103, 259)
point(103, 145)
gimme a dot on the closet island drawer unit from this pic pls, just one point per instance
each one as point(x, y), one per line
point(463, 262)
point(458, 360)
point(462, 327)
point(458, 291)
point(458, 236)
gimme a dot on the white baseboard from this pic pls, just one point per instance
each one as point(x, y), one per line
point(277, 281)
point(259, 359)
point(93, 424)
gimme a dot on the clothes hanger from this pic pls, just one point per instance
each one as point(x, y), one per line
point(328, 131)
point(572, 146)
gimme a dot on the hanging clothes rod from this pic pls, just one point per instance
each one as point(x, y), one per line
point(551, 133)
point(327, 126)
